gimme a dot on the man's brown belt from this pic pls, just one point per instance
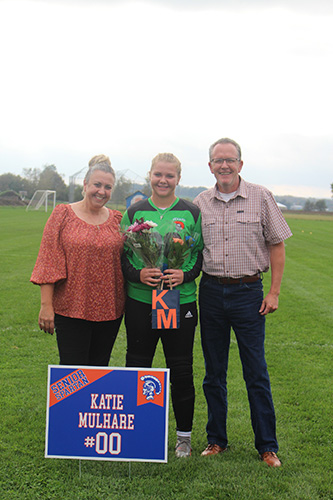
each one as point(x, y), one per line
point(234, 281)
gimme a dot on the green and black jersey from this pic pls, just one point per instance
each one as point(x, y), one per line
point(182, 217)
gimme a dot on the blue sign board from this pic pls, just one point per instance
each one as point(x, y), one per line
point(104, 413)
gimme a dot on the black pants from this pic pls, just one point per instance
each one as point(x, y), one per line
point(178, 350)
point(82, 342)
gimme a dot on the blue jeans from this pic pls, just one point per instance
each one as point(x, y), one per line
point(236, 306)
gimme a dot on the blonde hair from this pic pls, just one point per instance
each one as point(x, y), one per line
point(169, 158)
point(99, 162)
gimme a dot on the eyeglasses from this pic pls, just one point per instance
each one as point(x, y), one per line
point(220, 161)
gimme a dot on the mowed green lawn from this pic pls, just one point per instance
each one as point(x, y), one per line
point(299, 356)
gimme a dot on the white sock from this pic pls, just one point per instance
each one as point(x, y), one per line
point(184, 434)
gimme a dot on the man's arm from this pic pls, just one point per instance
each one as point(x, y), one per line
point(277, 258)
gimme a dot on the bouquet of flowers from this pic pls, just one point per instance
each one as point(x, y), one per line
point(144, 242)
point(177, 249)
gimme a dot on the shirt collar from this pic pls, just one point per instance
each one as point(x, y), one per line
point(241, 190)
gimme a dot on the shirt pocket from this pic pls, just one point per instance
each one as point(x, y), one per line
point(208, 227)
point(248, 226)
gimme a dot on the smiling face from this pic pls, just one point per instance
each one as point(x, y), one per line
point(164, 178)
point(226, 175)
point(98, 188)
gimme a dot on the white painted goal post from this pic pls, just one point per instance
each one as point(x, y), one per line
point(40, 197)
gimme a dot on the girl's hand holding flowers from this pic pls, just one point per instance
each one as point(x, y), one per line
point(148, 245)
point(151, 276)
point(173, 277)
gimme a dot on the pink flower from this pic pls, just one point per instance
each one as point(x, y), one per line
point(139, 225)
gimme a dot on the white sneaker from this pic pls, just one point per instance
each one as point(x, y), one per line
point(183, 447)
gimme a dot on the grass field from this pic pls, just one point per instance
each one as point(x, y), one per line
point(299, 356)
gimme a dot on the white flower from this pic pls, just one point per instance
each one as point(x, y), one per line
point(151, 223)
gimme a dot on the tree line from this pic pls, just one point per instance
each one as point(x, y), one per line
point(34, 179)
point(315, 206)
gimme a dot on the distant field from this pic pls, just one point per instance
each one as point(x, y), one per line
point(299, 356)
point(327, 216)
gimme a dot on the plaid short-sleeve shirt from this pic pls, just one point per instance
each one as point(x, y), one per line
point(237, 234)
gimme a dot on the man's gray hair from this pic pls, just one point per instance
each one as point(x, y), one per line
point(225, 140)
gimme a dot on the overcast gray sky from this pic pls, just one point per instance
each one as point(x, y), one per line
point(132, 79)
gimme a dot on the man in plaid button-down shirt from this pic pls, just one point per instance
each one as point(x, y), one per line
point(244, 233)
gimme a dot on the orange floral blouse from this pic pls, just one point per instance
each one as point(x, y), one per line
point(84, 262)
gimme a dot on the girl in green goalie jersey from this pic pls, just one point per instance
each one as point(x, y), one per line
point(167, 211)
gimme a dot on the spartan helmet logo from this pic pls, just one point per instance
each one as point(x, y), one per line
point(151, 386)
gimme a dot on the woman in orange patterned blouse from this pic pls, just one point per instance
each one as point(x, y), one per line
point(79, 272)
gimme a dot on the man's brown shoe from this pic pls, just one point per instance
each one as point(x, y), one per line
point(213, 449)
point(270, 458)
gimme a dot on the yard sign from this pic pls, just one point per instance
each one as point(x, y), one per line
point(102, 413)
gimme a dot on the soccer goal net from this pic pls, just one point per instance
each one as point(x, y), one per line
point(42, 197)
